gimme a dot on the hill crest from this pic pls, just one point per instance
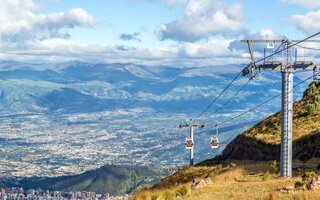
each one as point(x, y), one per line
point(262, 141)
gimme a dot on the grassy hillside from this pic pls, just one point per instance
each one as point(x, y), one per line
point(262, 141)
point(245, 170)
point(231, 180)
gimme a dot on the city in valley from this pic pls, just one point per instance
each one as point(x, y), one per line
point(19, 193)
point(47, 146)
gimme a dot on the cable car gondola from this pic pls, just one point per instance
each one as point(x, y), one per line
point(189, 143)
point(214, 142)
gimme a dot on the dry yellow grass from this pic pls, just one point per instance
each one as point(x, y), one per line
point(269, 130)
point(245, 181)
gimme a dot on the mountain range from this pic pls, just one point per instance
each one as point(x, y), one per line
point(126, 110)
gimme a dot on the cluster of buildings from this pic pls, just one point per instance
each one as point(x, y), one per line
point(16, 193)
point(35, 145)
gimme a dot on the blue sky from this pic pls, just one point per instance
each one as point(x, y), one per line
point(151, 32)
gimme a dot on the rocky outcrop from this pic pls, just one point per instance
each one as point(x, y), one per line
point(315, 184)
point(201, 183)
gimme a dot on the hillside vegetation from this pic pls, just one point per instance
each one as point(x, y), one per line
point(247, 168)
point(234, 179)
point(112, 179)
point(262, 141)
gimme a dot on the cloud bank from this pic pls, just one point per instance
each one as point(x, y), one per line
point(308, 23)
point(20, 21)
point(29, 35)
point(204, 18)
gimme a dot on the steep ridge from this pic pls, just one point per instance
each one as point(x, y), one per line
point(262, 141)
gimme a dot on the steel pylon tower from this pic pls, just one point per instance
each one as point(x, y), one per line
point(287, 71)
point(191, 126)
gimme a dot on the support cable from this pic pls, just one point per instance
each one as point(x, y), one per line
point(261, 104)
point(218, 96)
point(310, 48)
point(233, 96)
point(279, 51)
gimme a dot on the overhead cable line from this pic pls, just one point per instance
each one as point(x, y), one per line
point(279, 51)
point(241, 87)
point(276, 52)
point(261, 103)
point(218, 96)
point(232, 96)
point(310, 48)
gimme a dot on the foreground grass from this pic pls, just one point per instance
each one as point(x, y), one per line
point(246, 180)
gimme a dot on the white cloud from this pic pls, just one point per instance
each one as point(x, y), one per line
point(20, 21)
point(173, 2)
point(309, 23)
point(29, 35)
point(263, 34)
point(62, 50)
point(167, 2)
point(203, 18)
point(310, 4)
point(212, 48)
point(266, 34)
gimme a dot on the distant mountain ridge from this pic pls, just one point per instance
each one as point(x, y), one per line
point(112, 179)
point(38, 88)
point(41, 87)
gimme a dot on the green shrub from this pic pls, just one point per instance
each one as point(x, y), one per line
point(311, 109)
point(308, 177)
point(311, 90)
point(275, 166)
point(183, 191)
point(316, 105)
point(233, 164)
point(266, 176)
point(316, 99)
point(318, 167)
point(299, 185)
point(211, 175)
point(155, 197)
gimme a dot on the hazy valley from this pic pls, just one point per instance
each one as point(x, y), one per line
point(69, 118)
